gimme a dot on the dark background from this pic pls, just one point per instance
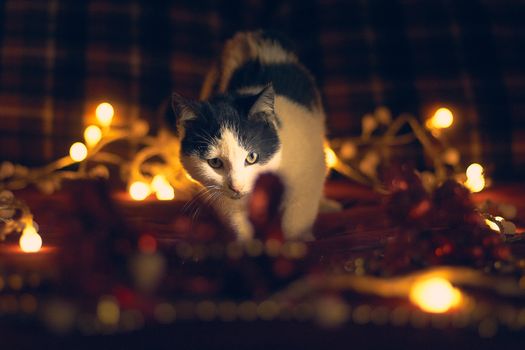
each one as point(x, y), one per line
point(59, 59)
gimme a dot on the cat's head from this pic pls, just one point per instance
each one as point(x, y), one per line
point(228, 141)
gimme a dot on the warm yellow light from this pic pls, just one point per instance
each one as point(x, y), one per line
point(442, 119)
point(139, 190)
point(165, 194)
point(475, 178)
point(158, 182)
point(92, 135)
point(78, 151)
point(30, 241)
point(476, 184)
point(104, 113)
point(474, 170)
point(435, 295)
point(330, 157)
point(492, 225)
point(348, 150)
point(162, 188)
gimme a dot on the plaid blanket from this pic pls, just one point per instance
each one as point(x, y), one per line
point(59, 59)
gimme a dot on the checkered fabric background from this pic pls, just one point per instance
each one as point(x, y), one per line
point(60, 58)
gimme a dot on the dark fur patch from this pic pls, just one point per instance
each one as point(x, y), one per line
point(255, 134)
point(288, 79)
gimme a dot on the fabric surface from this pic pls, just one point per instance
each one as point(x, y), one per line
point(59, 59)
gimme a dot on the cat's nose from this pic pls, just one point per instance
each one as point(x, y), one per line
point(234, 188)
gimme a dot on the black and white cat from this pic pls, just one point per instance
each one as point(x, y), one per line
point(261, 113)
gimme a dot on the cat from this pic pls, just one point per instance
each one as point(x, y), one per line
point(260, 111)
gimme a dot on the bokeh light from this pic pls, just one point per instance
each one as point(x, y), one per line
point(139, 190)
point(348, 150)
point(475, 184)
point(104, 113)
point(492, 225)
point(92, 135)
point(435, 295)
point(330, 157)
point(147, 243)
point(78, 151)
point(108, 311)
point(163, 190)
point(30, 241)
point(474, 170)
point(442, 119)
point(475, 178)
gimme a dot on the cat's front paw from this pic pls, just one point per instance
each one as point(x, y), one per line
point(245, 234)
point(243, 228)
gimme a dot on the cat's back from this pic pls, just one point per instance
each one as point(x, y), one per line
point(251, 60)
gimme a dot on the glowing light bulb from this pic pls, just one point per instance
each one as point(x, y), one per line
point(475, 184)
point(104, 113)
point(30, 241)
point(475, 178)
point(435, 295)
point(162, 188)
point(330, 157)
point(442, 119)
point(165, 194)
point(474, 170)
point(492, 225)
point(92, 135)
point(78, 151)
point(139, 190)
point(158, 182)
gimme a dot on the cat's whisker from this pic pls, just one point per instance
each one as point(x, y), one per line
point(206, 137)
point(194, 201)
point(207, 198)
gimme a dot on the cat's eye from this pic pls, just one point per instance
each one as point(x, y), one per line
point(252, 158)
point(215, 163)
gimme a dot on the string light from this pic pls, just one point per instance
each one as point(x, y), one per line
point(78, 151)
point(492, 225)
point(435, 295)
point(475, 179)
point(162, 188)
point(30, 241)
point(348, 150)
point(165, 194)
point(139, 190)
point(92, 135)
point(104, 114)
point(330, 157)
point(442, 119)
point(475, 184)
point(474, 170)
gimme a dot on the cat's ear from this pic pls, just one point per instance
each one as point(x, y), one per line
point(183, 110)
point(265, 101)
point(264, 106)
